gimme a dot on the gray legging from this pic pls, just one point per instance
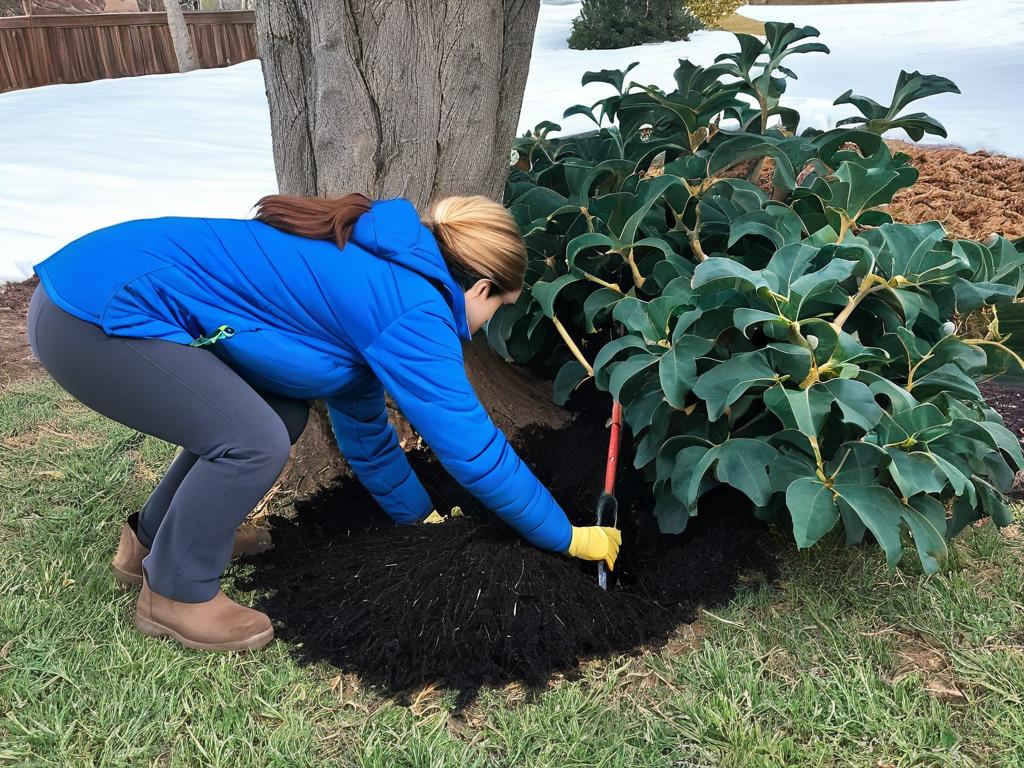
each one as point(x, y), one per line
point(236, 439)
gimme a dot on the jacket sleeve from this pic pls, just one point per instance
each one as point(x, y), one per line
point(418, 358)
point(369, 443)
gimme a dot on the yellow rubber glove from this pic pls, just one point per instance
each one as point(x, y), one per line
point(433, 517)
point(595, 542)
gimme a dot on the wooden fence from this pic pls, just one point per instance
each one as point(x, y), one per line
point(39, 50)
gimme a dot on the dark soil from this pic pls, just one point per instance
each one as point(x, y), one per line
point(16, 360)
point(1008, 402)
point(467, 602)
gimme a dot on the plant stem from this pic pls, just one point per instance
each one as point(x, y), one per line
point(696, 247)
point(844, 227)
point(818, 460)
point(800, 340)
point(590, 219)
point(913, 370)
point(813, 377)
point(572, 345)
point(602, 283)
point(638, 279)
point(694, 234)
point(865, 290)
point(1007, 350)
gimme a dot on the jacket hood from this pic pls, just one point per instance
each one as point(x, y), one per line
point(392, 230)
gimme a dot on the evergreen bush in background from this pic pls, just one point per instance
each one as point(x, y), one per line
point(710, 12)
point(622, 23)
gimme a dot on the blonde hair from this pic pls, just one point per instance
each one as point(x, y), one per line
point(481, 238)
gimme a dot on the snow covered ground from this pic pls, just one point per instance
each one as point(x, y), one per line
point(77, 157)
point(979, 44)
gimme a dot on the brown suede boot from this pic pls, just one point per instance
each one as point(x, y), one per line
point(219, 624)
point(127, 562)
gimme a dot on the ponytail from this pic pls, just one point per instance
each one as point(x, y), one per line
point(321, 218)
point(478, 238)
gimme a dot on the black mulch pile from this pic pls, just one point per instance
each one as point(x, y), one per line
point(1008, 401)
point(467, 602)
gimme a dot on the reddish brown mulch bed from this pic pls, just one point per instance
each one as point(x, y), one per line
point(973, 194)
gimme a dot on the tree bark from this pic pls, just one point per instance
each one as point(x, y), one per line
point(411, 98)
point(418, 98)
point(183, 48)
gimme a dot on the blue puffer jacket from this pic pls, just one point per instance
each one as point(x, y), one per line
point(301, 318)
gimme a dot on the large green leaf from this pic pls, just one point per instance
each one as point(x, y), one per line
point(862, 184)
point(716, 269)
point(613, 77)
point(946, 378)
point(582, 243)
point(915, 472)
point(570, 376)
point(813, 509)
point(629, 344)
point(1006, 441)
point(926, 518)
point(725, 383)
point(740, 462)
point(855, 400)
point(650, 192)
point(546, 292)
point(909, 250)
point(677, 368)
point(627, 373)
point(881, 513)
point(910, 86)
point(804, 410)
point(599, 301)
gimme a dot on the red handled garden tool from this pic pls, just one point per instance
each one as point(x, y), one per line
point(607, 506)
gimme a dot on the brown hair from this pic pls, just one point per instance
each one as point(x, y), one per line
point(478, 237)
point(321, 218)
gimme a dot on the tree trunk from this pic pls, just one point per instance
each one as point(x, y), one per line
point(413, 98)
point(183, 48)
point(416, 98)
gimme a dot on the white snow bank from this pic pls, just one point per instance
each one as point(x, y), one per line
point(979, 44)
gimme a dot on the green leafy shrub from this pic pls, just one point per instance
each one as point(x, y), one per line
point(793, 342)
point(710, 12)
point(622, 23)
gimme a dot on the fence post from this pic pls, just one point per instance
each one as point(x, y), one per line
point(184, 51)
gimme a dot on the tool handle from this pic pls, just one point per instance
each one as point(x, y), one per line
point(613, 449)
point(611, 467)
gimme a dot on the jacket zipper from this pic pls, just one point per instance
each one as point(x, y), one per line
point(223, 332)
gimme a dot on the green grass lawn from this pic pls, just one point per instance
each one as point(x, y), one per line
point(841, 664)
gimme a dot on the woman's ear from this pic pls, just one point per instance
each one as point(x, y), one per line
point(481, 289)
